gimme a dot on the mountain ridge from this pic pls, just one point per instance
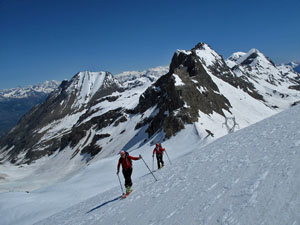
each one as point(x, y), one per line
point(89, 121)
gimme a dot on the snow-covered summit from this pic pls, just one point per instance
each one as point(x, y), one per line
point(254, 57)
point(86, 84)
point(278, 85)
point(231, 61)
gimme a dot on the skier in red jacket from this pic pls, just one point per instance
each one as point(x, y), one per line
point(159, 155)
point(125, 161)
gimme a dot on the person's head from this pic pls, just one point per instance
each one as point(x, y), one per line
point(157, 144)
point(122, 153)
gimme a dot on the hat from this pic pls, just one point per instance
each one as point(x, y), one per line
point(122, 152)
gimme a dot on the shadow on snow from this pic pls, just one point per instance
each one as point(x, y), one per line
point(105, 203)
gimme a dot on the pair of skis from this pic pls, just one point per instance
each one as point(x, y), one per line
point(125, 195)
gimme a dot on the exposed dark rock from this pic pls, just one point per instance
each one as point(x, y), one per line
point(121, 120)
point(143, 123)
point(250, 59)
point(296, 103)
point(295, 87)
point(93, 149)
point(180, 104)
point(79, 132)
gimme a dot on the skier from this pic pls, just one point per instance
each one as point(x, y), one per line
point(126, 162)
point(159, 155)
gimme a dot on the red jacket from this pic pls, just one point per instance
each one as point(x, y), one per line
point(158, 150)
point(126, 162)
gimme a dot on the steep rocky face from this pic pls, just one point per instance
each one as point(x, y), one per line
point(180, 94)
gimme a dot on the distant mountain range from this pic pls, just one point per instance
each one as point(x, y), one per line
point(14, 103)
point(95, 114)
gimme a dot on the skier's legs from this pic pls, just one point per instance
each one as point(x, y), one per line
point(161, 159)
point(127, 175)
point(158, 161)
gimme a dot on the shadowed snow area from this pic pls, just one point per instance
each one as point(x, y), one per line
point(248, 177)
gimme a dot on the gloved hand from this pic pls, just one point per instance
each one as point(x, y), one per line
point(140, 156)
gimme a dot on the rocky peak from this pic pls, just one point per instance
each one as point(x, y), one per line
point(215, 65)
point(179, 95)
point(201, 46)
point(254, 57)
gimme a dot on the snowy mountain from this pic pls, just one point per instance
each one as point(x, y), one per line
point(14, 103)
point(278, 86)
point(248, 177)
point(95, 114)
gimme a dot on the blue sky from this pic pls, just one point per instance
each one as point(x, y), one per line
point(53, 40)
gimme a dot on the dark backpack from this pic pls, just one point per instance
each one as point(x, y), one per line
point(126, 157)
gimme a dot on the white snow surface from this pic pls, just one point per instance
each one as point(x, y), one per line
point(247, 177)
point(178, 81)
point(231, 61)
point(208, 56)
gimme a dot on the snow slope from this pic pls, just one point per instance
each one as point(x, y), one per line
point(247, 177)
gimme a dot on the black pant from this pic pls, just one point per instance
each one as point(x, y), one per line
point(127, 175)
point(159, 158)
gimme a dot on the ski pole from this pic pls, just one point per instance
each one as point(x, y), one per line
point(149, 168)
point(153, 163)
point(168, 157)
point(120, 183)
